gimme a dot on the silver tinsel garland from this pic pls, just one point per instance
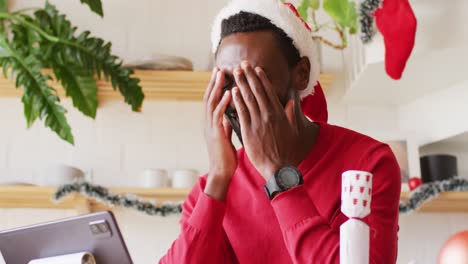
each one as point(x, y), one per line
point(429, 191)
point(103, 195)
point(366, 19)
point(417, 198)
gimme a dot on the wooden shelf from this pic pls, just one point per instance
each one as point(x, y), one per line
point(455, 202)
point(157, 85)
point(35, 197)
point(41, 197)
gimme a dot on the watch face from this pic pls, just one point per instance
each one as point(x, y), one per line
point(288, 177)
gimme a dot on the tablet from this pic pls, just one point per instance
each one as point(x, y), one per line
point(97, 233)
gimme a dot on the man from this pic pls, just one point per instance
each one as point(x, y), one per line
point(277, 200)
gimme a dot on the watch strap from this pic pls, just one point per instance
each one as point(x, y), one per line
point(271, 187)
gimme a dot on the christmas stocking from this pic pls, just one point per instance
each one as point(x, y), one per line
point(397, 23)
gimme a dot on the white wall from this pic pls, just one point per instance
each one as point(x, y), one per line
point(119, 144)
point(438, 115)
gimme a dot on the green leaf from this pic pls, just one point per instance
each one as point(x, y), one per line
point(353, 18)
point(95, 6)
point(3, 52)
point(24, 39)
point(39, 98)
point(4, 6)
point(31, 108)
point(86, 52)
point(343, 12)
point(302, 9)
point(3, 9)
point(80, 85)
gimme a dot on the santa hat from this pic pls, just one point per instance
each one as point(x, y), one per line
point(285, 17)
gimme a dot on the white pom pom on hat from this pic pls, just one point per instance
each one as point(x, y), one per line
point(283, 16)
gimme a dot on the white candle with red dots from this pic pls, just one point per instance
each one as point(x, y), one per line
point(356, 196)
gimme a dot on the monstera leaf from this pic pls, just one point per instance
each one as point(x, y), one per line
point(39, 98)
point(47, 39)
point(95, 6)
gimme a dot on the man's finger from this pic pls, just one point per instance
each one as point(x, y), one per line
point(272, 95)
point(256, 86)
point(227, 128)
point(210, 84)
point(215, 95)
point(241, 108)
point(218, 113)
point(246, 93)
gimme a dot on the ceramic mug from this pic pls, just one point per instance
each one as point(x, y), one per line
point(59, 174)
point(184, 178)
point(153, 178)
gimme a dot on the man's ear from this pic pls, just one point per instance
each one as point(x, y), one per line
point(301, 74)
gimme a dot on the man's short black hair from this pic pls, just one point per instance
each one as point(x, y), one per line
point(249, 22)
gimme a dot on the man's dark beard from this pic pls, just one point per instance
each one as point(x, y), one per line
point(231, 115)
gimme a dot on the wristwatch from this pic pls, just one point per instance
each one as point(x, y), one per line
point(283, 180)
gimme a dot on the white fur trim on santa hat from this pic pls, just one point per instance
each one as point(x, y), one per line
point(284, 18)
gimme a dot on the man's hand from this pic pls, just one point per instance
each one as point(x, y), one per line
point(222, 153)
point(269, 131)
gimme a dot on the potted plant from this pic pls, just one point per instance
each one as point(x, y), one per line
point(343, 20)
point(35, 39)
point(395, 20)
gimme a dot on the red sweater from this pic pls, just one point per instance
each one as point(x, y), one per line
point(300, 225)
